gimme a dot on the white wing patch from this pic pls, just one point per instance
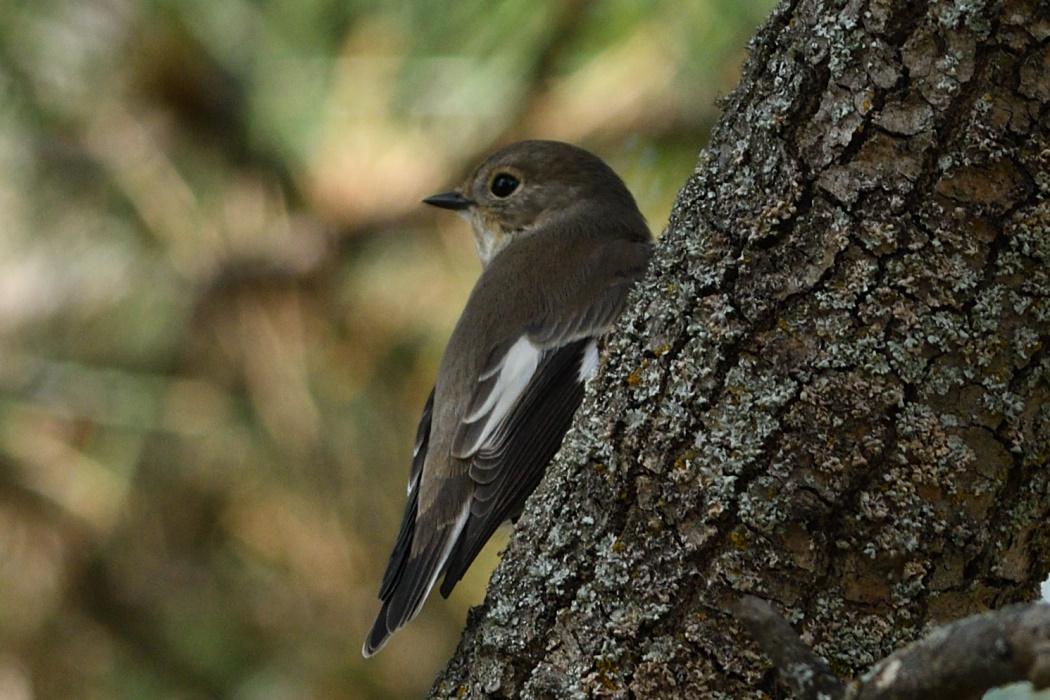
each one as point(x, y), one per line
point(589, 362)
point(515, 372)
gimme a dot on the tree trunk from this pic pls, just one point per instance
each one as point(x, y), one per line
point(833, 389)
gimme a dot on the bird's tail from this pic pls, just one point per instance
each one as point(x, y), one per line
point(404, 596)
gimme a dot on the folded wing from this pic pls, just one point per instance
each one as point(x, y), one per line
point(509, 451)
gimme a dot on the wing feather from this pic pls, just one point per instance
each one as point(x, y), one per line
point(399, 556)
point(419, 449)
point(496, 395)
point(509, 467)
point(416, 577)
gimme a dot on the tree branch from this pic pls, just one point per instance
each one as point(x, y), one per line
point(959, 661)
point(806, 672)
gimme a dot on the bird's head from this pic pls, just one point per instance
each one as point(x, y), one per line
point(528, 183)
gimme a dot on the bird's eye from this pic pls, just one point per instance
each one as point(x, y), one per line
point(504, 184)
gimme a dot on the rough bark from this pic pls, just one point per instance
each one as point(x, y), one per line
point(833, 392)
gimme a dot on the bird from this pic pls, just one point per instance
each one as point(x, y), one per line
point(561, 242)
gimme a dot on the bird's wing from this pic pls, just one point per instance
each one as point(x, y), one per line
point(403, 544)
point(407, 579)
point(414, 570)
point(521, 406)
point(510, 450)
point(524, 403)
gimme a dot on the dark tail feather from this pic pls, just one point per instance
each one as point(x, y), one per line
point(405, 594)
point(378, 635)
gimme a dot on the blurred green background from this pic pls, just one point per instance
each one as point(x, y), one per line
point(222, 306)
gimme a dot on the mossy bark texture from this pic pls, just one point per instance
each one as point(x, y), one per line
point(832, 390)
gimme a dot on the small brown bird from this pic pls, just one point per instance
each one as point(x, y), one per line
point(561, 242)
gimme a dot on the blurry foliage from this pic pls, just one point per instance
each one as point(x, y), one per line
point(222, 306)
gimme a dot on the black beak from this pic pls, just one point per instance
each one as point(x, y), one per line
point(448, 200)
